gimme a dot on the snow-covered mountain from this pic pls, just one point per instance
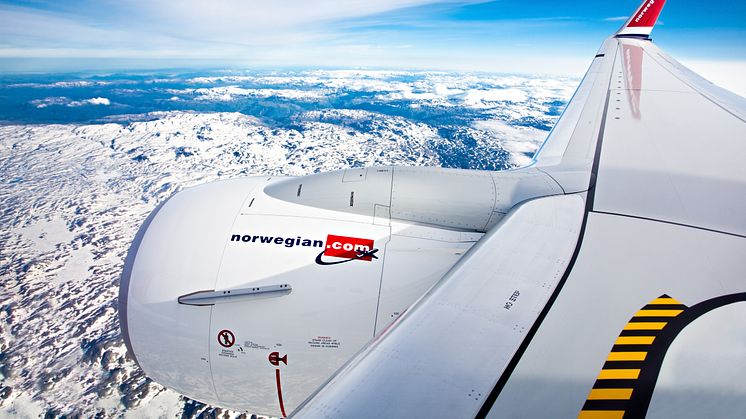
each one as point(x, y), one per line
point(74, 194)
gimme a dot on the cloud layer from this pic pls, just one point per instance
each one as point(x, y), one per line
point(465, 35)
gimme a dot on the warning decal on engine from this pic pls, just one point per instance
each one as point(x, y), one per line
point(323, 342)
point(226, 338)
point(253, 345)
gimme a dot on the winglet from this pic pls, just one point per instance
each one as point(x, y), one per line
point(642, 21)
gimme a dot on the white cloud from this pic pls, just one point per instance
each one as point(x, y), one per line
point(477, 97)
point(75, 83)
point(519, 141)
point(50, 101)
point(64, 101)
point(222, 28)
point(229, 93)
point(98, 101)
point(616, 19)
point(220, 18)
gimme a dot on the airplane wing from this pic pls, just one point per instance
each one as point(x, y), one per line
point(623, 297)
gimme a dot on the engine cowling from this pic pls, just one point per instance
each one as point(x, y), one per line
point(250, 293)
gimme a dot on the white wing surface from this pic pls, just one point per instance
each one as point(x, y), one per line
point(624, 297)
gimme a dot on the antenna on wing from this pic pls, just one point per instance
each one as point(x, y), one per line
point(641, 23)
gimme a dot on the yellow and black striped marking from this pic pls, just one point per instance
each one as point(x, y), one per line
point(619, 379)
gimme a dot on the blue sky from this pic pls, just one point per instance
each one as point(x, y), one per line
point(537, 36)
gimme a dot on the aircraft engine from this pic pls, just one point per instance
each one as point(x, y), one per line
point(250, 293)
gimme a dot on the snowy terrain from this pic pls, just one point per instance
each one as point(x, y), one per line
point(74, 194)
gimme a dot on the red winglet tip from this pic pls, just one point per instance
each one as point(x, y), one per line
point(644, 19)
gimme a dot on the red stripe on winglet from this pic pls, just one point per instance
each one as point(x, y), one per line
point(648, 14)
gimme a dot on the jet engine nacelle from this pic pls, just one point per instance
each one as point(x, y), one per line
point(250, 293)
